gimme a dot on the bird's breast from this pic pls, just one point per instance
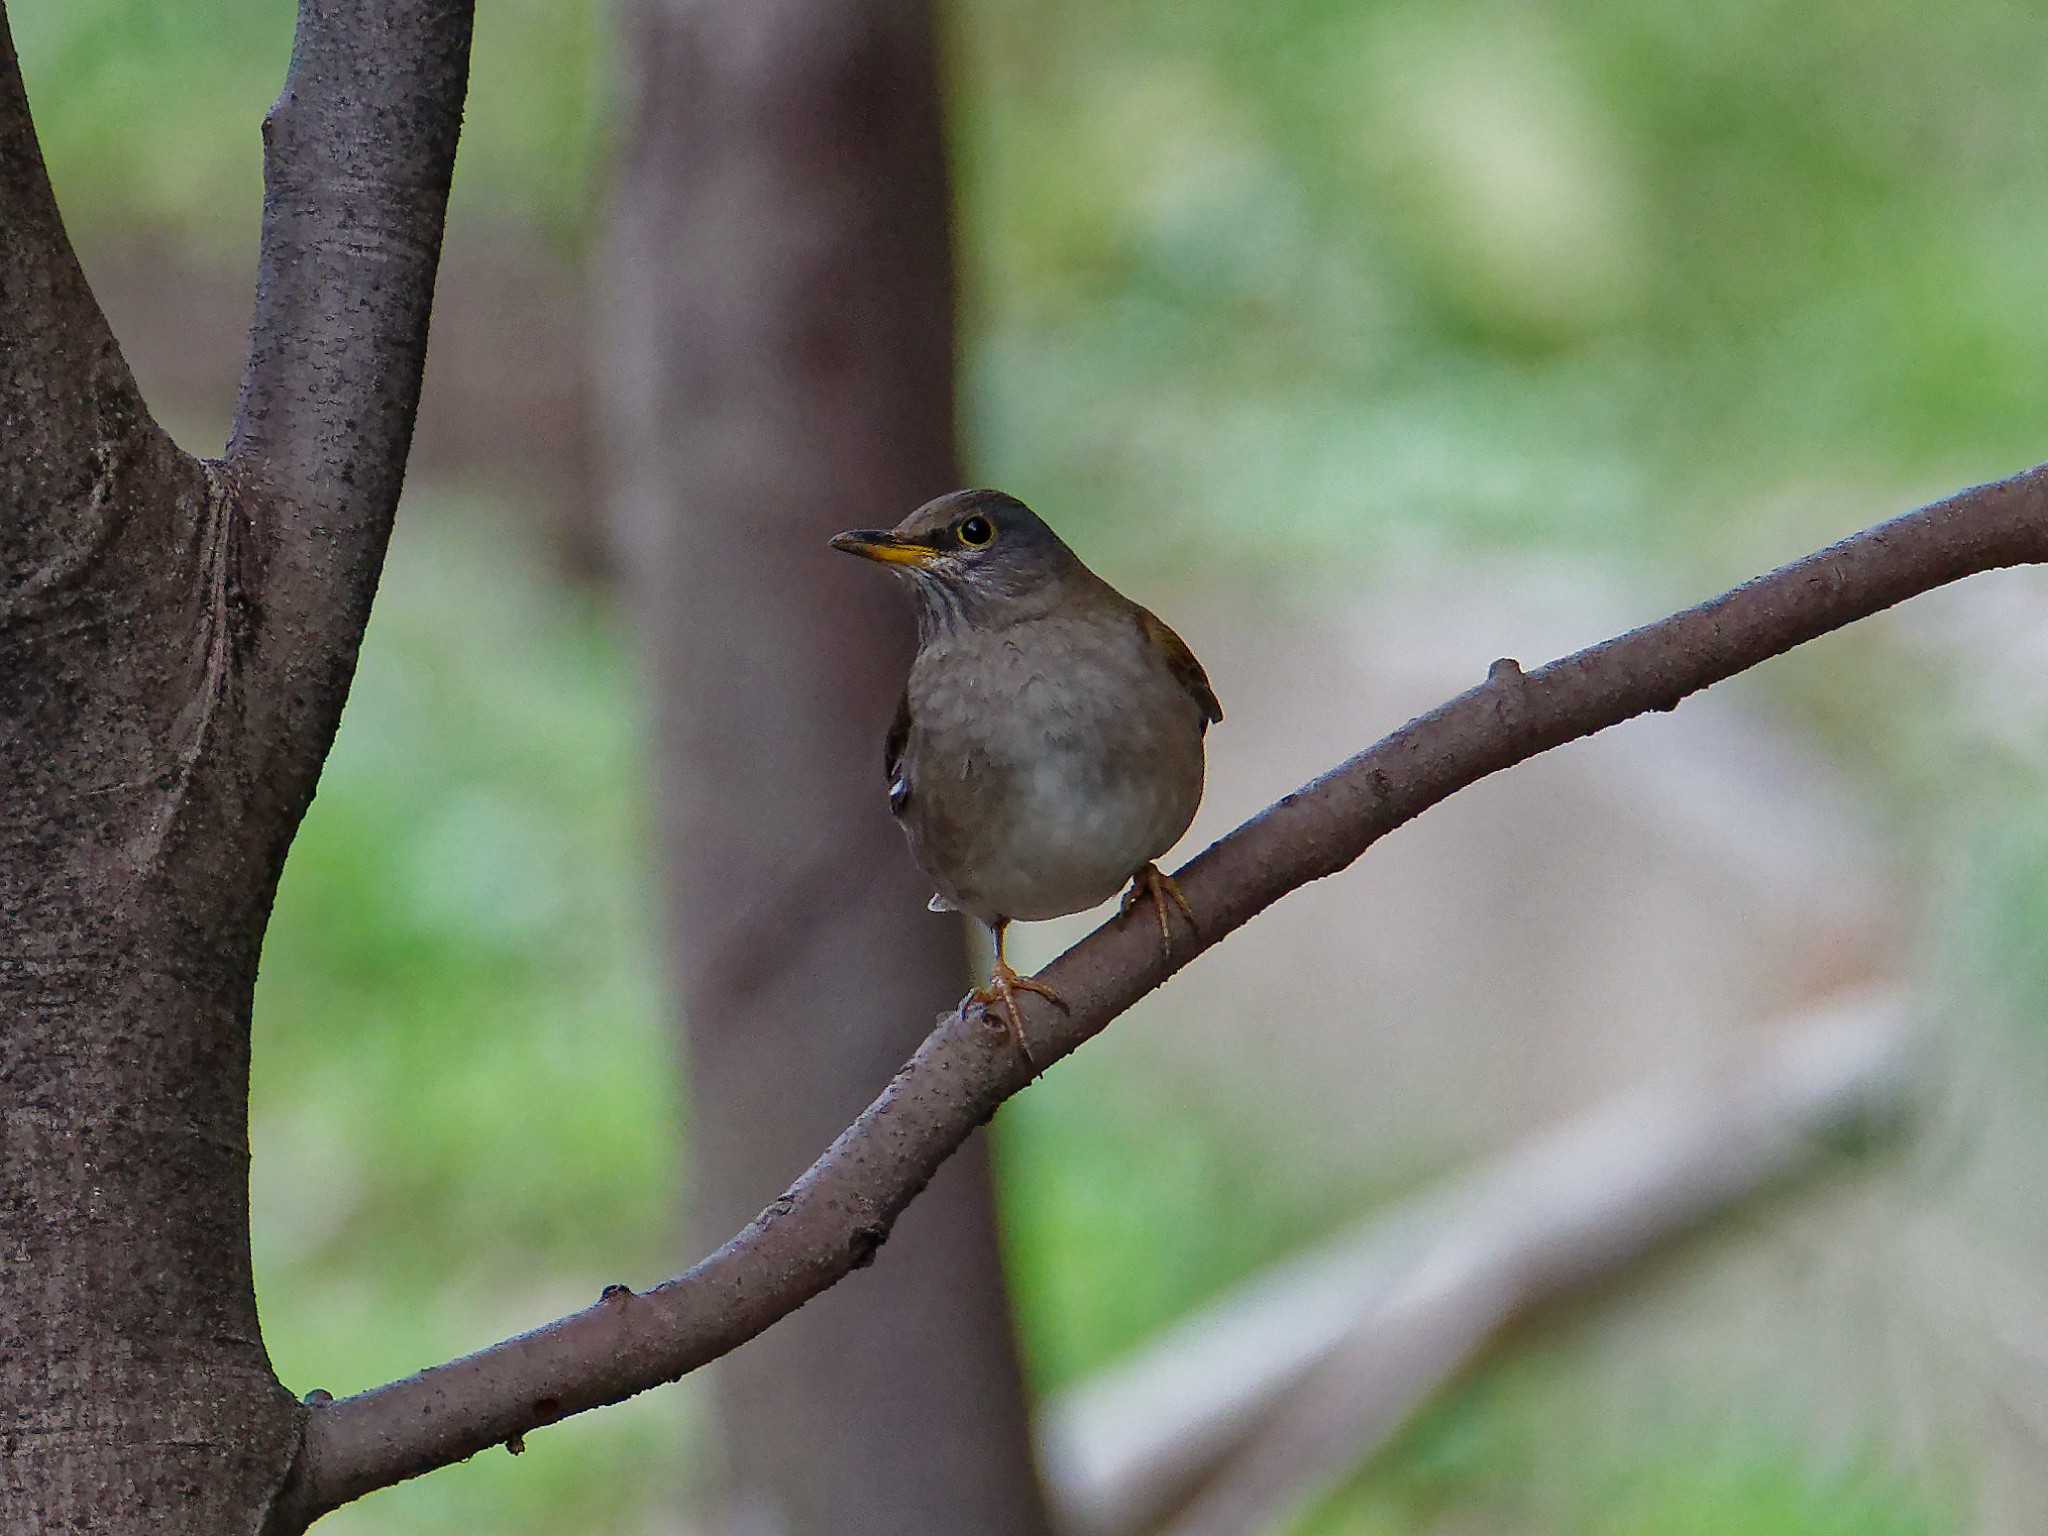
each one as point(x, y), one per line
point(1044, 772)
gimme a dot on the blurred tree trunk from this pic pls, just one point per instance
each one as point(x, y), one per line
point(777, 364)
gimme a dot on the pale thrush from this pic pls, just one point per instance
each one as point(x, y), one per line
point(1048, 745)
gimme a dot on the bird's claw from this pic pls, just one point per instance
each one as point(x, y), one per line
point(1161, 887)
point(1003, 986)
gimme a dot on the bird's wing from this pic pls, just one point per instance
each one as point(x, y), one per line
point(895, 772)
point(1180, 661)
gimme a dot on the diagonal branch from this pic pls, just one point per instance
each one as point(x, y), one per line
point(832, 1220)
point(359, 153)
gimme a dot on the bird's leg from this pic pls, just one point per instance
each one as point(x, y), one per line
point(1160, 887)
point(1003, 986)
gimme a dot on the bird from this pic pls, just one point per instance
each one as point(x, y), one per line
point(1048, 745)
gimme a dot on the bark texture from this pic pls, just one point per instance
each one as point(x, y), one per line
point(132, 1374)
point(778, 363)
point(176, 638)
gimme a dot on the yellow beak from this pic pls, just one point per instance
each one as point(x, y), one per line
point(880, 544)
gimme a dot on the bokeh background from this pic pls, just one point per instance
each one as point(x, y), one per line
point(1369, 342)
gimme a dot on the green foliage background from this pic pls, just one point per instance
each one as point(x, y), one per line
point(1687, 286)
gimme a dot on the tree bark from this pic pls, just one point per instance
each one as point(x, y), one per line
point(176, 638)
point(132, 1374)
point(779, 365)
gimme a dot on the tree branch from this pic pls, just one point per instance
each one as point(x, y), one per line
point(359, 152)
point(837, 1214)
point(67, 399)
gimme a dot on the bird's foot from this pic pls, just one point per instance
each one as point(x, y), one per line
point(1161, 887)
point(1003, 986)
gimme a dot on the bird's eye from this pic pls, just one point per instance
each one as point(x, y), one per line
point(975, 532)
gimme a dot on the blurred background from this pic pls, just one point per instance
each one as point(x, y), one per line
point(1367, 342)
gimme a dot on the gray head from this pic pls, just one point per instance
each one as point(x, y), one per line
point(972, 557)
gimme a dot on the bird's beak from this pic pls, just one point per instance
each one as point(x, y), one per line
point(880, 544)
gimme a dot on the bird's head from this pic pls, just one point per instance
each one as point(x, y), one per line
point(971, 556)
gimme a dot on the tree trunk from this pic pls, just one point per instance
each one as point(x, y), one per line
point(778, 366)
point(176, 638)
point(132, 1375)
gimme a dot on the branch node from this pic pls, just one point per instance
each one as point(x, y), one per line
point(1507, 669)
point(319, 1397)
point(616, 1292)
point(516, 1445)
point(864, 1242)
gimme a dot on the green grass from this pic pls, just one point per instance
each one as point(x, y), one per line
point(1518, 1448)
